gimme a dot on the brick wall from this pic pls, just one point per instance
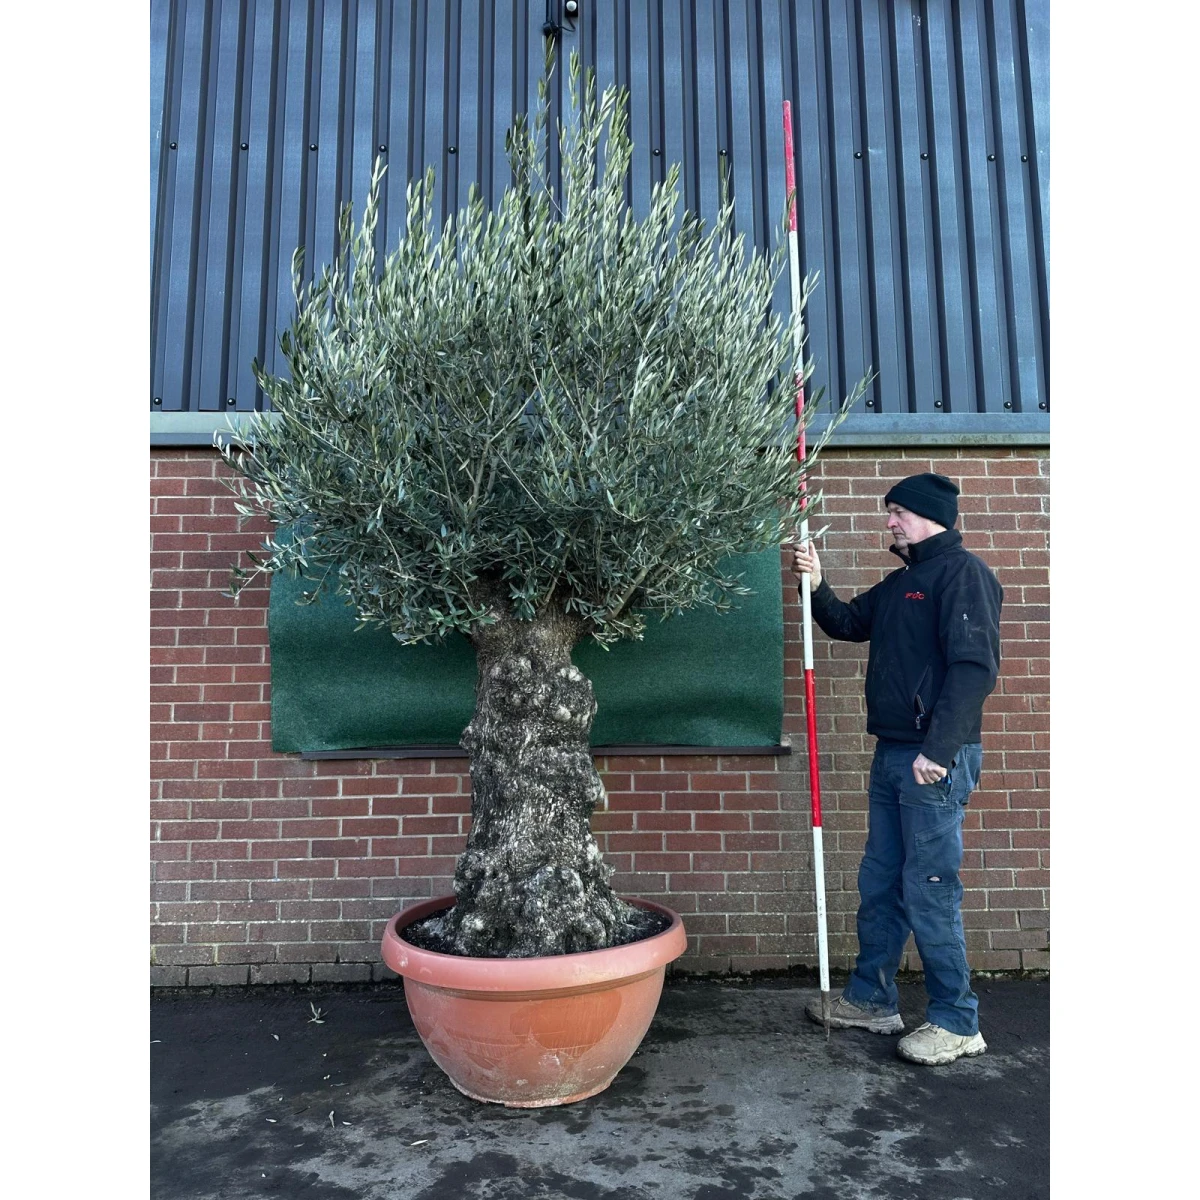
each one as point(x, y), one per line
point(269, 869)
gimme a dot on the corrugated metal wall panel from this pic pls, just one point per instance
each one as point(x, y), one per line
point(921, 146)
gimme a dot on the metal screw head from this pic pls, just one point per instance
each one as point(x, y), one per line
point(657, 153)
point(157, 399)
point(1043, 405)
point(453, 149)
point(870, 403)
point(1024, 157)
point(231, 401)
point(174, 145)
point(312, 145)
point(245, 145)
point(1008, 404)
point(858, 154)
point(722, 153)
point(991, 158)
point(937, 404)
point(924, 154)
point(383, 147)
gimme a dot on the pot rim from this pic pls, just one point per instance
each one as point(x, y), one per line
point(554, 971)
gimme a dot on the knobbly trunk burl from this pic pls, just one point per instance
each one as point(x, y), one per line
point(531, 880)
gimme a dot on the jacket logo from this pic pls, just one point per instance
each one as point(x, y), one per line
point(914, 595)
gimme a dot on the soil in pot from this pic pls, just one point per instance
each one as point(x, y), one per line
point(428, 933)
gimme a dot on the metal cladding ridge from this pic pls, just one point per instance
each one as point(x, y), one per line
point(922, 160)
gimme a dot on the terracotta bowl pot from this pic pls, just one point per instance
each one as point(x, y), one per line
point(532, 1032)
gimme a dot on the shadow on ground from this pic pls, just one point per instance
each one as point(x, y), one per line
point(733, 1093)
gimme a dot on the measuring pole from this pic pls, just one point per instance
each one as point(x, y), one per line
point(810, 704)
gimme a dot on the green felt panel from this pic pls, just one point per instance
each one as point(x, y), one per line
point(700, 679)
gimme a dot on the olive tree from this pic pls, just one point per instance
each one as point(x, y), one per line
point(544, 423)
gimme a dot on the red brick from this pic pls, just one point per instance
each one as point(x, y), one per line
point(182, 869)
point(688, 881)
point(373, 868)
point(401, 806)
point(430, 786)
point(739, 861)
point(404, 766)
point(1011, 858)
point(310, 787)
point(245, 869)
point(415, 826)
point(183, 955)
point(270, 808)
point(664, 820)
point(339, 848)
point(604, 822)
point(369, 785)
point(1014, 898)
point(644, 861)
point(752, 841)
point(718, 782)
point(723, 820)
point(637, 842)
point(341, 806)
point(686, 801)
point(408, 847)
point(204, 934)
point(370, 826)
point(662, 781)
point(730, 944)
point(250, 829)
point(691, 841)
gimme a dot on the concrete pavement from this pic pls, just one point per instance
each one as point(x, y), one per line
point(733, 1093)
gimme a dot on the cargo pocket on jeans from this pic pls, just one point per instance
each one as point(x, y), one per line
point(938, 849)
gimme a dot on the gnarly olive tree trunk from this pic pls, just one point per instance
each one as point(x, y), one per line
point(531, 880)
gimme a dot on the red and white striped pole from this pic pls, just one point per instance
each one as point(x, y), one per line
point(810, 706)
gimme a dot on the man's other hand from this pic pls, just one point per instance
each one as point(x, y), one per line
point(925, 770)
point(805, 561)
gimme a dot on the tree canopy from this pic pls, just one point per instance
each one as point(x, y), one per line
point(543, 405)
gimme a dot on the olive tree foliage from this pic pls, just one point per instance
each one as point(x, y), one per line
point(541, 407)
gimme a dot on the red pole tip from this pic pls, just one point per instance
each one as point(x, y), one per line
point(789, 157)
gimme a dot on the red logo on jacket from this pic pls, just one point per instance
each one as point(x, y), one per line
point(914, 595)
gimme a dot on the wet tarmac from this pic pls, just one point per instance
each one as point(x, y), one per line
point(733, 1093)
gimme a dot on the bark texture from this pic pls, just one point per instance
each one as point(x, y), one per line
point(531, 880)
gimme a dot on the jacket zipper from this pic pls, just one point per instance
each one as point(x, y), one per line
point(918, 703)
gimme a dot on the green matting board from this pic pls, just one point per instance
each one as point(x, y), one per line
point(700, 679)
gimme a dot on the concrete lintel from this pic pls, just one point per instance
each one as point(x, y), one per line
point(858, 429)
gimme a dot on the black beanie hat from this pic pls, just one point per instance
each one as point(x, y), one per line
point(928, 495)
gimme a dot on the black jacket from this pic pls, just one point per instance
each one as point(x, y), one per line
point(934, 629)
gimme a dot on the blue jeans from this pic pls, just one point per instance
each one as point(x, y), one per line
point(908, 880)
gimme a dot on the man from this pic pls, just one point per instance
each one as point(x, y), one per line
point(934, 629)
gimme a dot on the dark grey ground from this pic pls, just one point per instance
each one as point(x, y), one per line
point(734, 1093)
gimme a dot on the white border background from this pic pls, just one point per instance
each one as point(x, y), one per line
point(1126, 453)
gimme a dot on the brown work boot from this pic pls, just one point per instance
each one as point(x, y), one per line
point(844, 1015)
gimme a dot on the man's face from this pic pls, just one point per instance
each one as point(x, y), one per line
point(907, 528)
